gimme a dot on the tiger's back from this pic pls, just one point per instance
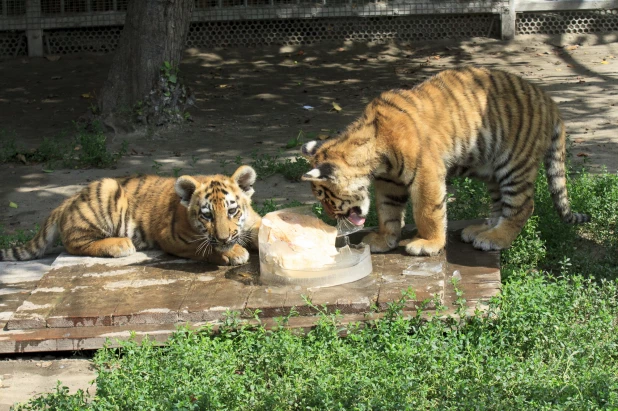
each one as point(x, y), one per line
point(116, 217)
point(482, 123)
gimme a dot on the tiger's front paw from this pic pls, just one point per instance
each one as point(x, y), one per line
point(469, 233)
point(419, 246)
point(236, 255)
point(380, 243)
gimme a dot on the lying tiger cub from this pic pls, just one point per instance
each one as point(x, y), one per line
point(206, 218)
point(475, 122)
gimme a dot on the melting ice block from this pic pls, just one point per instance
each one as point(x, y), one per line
point(296, 241)
point(298, 248)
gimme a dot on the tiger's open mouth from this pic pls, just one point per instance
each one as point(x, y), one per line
point(354, 214)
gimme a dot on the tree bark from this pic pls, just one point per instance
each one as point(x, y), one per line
point(154, 33)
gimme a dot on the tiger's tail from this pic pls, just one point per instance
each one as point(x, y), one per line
point(555, 170)
point(36, 247)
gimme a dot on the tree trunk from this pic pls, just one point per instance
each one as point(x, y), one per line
point(142, 83)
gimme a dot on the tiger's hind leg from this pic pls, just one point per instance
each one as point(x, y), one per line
point(469, 233)
point(391, 200)
point(95, 224)
point(107, 247)
point(517, 206)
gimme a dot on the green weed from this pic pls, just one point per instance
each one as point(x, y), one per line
point(267, 165)
point(8, 146)
point(16, 238)
point(88, 148)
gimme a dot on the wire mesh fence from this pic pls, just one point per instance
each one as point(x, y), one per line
point(75, 26)
point(568, 22)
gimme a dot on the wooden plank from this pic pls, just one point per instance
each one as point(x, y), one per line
point(153, 297)
point(530, 6)
point(153, 294)
point(508, 19)
point(117, 18)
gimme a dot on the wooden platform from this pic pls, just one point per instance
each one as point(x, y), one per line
point(73, 303)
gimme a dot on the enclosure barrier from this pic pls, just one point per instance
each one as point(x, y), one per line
point(40, 27)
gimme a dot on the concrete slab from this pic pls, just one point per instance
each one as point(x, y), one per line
point(81, 301)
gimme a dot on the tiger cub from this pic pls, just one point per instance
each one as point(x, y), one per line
point(475, 122)
point(205, 218)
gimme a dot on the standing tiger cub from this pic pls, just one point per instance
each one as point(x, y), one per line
point(205, 218)
point(475, 122)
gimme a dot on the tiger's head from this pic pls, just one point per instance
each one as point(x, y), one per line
point(340, 179)
point(219, 207)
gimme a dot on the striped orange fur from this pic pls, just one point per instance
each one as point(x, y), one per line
point(199, 217)
point(476, 122)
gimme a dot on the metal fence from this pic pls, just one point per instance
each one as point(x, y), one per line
point(39, 27)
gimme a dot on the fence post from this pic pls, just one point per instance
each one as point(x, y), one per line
point(33, 28)
point(507, 18)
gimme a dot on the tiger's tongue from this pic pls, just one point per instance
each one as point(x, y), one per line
point(356, 219)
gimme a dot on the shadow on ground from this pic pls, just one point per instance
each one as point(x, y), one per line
point(252, 102)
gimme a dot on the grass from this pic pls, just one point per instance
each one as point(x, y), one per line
point(16, 238)
point(266, 165)
point(548, 342)
point(87, 148)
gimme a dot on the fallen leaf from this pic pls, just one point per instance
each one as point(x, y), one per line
point(583, 155)
point(323, 136)
point(340, 49)
point(87, 95)
point(77, 148)
point(223, 85)
point(605, 62)
point(300, 53)
point(573, 47)
point(12, 204)
point(22, 158)
point(336, 106)
point(48, 171)
point(436, 57)
point(52, 58)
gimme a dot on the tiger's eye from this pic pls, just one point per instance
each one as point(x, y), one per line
point(232, 211)
point(207, 215)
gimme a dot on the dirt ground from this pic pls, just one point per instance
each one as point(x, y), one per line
point(253, 100)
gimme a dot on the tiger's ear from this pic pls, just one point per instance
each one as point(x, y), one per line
point(321, 173)
point(185, 187)
point(245, 176)
point(310, 148)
